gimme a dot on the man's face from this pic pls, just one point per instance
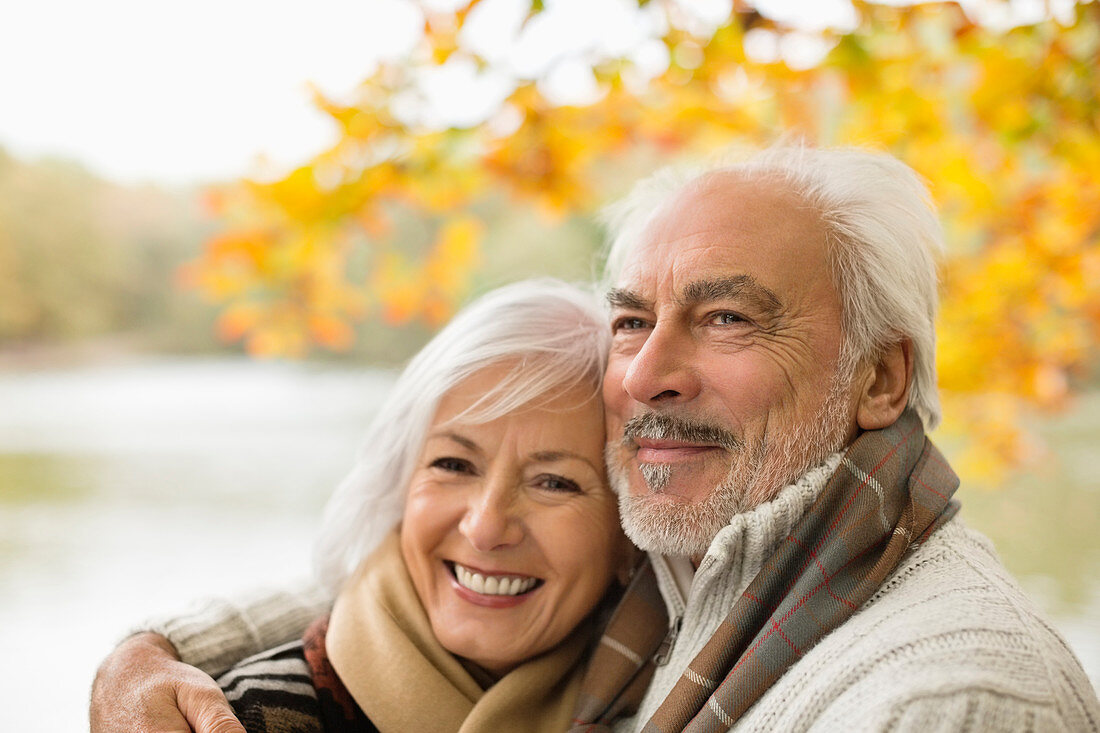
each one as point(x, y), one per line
point(722, 384)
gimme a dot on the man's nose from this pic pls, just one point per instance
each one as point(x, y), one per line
point(491, 521)
point(662, 372)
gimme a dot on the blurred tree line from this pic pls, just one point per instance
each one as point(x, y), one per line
point(83, 257)
point(89, 264)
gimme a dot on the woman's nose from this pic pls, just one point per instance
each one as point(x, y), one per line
point(490, 522)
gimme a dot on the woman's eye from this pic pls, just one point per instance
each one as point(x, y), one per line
point(551, 482)
point(453, 465)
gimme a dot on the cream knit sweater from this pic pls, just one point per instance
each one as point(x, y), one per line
point(949, 643)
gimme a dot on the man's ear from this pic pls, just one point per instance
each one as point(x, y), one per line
point(884, 390)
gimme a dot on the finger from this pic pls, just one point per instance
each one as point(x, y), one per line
point(143, 715)
point(127, 694)
point(208, 711)
point(220, 722)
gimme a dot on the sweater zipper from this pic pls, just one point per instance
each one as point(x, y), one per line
point(664, 651)
point(675, 605)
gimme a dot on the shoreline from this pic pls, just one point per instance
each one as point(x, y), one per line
point(93, 351)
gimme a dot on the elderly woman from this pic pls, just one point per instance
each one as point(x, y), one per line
point(472, 544)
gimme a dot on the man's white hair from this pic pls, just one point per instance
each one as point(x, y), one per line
point(883, 236)
point(553, 335)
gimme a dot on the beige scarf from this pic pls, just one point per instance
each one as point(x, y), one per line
point(382, 646)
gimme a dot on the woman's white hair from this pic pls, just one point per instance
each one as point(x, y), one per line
point(554, 336)
point(883, 237)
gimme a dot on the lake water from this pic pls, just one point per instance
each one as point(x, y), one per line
point(129, 490)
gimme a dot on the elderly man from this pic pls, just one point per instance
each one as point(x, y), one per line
point(770, 383)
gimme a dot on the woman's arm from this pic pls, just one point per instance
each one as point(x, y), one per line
point(144, 685)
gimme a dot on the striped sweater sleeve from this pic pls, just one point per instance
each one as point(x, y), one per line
point(273, 692)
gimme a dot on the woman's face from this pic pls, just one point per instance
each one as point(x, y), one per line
point(510, 532)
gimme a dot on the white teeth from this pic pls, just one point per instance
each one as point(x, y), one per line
point(494, 585)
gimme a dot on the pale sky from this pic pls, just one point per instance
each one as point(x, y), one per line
point(216, 89)
point(187, 90)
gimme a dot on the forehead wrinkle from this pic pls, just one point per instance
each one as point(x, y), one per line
point(735, 286)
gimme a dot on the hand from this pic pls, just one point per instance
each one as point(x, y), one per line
point(142, 687)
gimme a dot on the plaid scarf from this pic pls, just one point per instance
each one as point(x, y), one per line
point(892, 489)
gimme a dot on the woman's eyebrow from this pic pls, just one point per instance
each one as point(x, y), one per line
point(549, 456)
point(460, 439)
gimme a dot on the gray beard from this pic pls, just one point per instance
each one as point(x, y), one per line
point(758, 471)
point(656, 475)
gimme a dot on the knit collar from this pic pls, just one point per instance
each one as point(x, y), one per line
point(741, 548)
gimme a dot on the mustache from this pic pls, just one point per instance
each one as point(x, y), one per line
point(659, 426)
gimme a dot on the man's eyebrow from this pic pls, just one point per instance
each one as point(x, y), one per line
point(737, 286)
point(620, 298)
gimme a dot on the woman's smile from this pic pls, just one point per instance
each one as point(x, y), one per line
point(492, 584)
point(510, 533)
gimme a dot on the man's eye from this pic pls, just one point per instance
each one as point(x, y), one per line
point(728, 319)
point(552, 482)
point(628, 324)
point(453, 465)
